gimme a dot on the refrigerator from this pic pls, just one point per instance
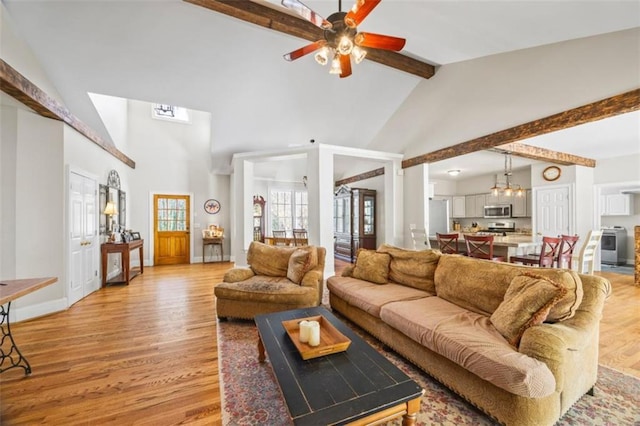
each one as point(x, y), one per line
point(438, 217)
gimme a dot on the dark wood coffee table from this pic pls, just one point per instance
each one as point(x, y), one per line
point(357, 386)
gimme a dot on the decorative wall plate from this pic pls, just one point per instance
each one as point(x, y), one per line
point(212, 206)
point(551, 173)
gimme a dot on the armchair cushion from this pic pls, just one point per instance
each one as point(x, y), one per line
point(272, 261)
point(526, 303)
point(301, 261)
point(372, 266)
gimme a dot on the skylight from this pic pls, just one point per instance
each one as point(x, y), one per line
point(170, 112)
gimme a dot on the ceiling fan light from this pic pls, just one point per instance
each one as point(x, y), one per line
point(358, 54)
point(322, 56)
point(345, 46)
point(335, 65)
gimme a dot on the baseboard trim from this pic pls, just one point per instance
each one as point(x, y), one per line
point(41, 309)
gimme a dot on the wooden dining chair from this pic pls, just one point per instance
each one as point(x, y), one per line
point(586, 258)
point(300, 237)
point(565, 253)
point(546, 257)
point(481, 247)
point(280, 238)
point(448, 243)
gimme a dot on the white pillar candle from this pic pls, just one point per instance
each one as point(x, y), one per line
point(304, 331)
point(314, 333)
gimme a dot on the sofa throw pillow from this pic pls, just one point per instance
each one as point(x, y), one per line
point(372, 266)
point(526, 303)
point(269, 260)
point(411, 267)
point(302, 260)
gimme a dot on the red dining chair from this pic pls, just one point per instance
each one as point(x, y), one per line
point(547, 256)
point(565, 253)
point(448, 243)
point(481, 247)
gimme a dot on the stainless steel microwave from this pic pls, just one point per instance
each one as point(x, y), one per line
point(497, 212)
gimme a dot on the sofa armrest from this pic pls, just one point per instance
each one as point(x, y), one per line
point(313, 278)
point(235, 275)
point(550, 343)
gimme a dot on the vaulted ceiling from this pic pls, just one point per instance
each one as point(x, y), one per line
point(185, 54)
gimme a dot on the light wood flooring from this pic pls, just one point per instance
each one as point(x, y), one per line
point(147, 353)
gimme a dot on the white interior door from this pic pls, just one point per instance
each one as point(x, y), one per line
point(83, 237)
point(553, 211)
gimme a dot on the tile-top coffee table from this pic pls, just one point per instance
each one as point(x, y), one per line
point(356, 386)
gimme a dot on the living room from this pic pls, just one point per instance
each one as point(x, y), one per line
point(34, 172)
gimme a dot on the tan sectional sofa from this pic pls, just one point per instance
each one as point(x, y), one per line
point(278, 278)
point(519, 343)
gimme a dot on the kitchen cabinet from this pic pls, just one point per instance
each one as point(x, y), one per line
point(354, 214)
point(616, 205)
point(474, 206)
point(519, 206)
point(458, 206)
point(495, 200)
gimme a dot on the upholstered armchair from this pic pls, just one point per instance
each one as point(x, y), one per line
point(278, 279)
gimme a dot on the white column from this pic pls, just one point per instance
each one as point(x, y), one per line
point(320, 190)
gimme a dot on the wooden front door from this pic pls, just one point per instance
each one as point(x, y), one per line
point(171, 229)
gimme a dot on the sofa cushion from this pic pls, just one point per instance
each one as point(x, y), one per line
point(269, 260)
point(372, 266)
point(527, 302)
point(413, 268)
point(302, 260)
point(469, 340)
point(368, 296)
point(278, 290)
point(480, 285)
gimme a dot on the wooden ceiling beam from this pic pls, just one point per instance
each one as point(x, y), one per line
point(542, 154)
point(362, 176)
point(19, 87)
point(605, 108)
point(280, 19)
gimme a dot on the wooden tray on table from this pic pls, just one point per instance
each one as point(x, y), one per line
point(331, 340)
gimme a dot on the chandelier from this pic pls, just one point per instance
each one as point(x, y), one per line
point(507, 188)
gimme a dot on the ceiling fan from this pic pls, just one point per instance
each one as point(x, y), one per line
point(341, 40)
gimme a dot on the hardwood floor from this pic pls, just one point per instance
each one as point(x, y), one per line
point(147, 353)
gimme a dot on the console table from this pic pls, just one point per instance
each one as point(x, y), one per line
point(214, 241)
point(9, 291)
point(128, 273)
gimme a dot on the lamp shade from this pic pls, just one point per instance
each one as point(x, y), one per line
point(110, 208)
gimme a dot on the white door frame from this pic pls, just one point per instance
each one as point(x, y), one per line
point(95, 242)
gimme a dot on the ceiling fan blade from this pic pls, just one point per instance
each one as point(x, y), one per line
point(298, 53)
point(308, 14)
point(345, 66)
point(359, 11)
point(379, 41)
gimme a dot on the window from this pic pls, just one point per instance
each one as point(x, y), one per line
point(289, 209)
point(170, 112)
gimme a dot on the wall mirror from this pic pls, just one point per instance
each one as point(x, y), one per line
point(113, 202)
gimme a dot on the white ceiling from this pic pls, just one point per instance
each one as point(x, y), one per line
point(173, 52)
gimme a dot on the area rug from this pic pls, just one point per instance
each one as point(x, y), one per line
point(250, 395)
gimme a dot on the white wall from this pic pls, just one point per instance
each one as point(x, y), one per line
point(33, 208)
point(173, 158)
